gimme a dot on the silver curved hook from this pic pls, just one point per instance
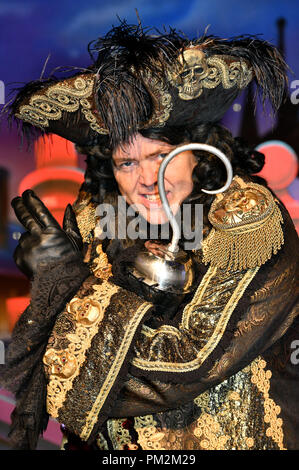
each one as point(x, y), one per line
point(194, 146)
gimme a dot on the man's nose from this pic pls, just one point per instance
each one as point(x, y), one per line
point(148, 173)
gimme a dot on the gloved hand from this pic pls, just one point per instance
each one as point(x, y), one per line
point(45, 241)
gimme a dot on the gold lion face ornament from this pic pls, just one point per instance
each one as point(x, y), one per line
point(240, 206)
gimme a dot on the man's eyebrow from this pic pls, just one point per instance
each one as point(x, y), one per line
point(123, 159)
point(156, 152)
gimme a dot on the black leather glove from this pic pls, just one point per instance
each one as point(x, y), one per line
point(45, 241)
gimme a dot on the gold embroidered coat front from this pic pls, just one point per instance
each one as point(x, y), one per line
point(214, 376)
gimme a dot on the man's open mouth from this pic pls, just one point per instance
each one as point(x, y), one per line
point(153, 197)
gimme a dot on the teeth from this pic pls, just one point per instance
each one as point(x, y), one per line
point(152, 197)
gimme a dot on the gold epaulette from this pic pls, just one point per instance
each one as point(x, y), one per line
point(246, 229)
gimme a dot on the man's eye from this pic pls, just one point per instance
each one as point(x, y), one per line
point(162, 155)
point(126, 166)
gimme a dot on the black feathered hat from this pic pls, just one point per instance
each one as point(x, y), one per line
point(145, 79)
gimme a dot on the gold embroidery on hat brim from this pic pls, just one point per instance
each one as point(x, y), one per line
point(70, 95)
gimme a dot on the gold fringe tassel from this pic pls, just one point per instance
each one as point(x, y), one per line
point(245, 247)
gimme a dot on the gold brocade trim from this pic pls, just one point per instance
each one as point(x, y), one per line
point(167, 329)
point(86, 222)
point(261, 378)
point(114, 370)
point(197, 72)
point(70, 95)
point(101, 267)
point(101, 442)
point(147, 331)
point(162, 102)
point(246, 227)
point(63, 366)
point(218, 331)
point(149, 438)
point(228, 71)
point(211, 272)
point(150, 332)
point(119, 435)
point(207, 431)
point(231, 414)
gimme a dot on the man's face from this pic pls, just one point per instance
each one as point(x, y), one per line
point(136, 167)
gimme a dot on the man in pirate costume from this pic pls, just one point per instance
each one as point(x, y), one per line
point(120, 364)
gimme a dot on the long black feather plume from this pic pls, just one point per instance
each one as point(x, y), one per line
point(129, 57)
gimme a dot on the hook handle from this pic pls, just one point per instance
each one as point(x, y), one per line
point(194, 146)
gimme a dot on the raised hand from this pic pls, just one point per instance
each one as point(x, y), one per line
point(45, 241)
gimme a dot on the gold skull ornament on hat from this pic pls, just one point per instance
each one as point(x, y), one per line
point(196, 71)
